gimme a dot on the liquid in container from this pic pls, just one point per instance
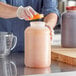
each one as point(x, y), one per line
point(37, 45)
point(68, 34)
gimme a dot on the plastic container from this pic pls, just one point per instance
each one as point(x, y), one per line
point(37, 45)
point(68, 34)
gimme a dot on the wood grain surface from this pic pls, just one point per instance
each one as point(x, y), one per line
point(66, 55)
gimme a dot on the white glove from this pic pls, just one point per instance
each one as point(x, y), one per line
point(25, 12)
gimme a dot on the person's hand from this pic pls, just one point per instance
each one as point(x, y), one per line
point(51, 31)
point(25, 12)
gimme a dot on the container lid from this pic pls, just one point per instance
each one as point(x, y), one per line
point(37, 24)
point(71, 8)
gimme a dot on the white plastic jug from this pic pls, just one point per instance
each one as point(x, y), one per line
point(37, 45)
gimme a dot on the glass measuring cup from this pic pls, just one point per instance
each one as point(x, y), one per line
point(8, 42)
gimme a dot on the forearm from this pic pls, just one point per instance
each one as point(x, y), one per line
point(51, 19)
point(7, 11)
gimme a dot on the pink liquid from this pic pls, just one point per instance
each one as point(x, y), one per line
point(37, 47)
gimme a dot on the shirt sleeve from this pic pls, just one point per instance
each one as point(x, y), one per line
point(50, 6)
point(4, 1)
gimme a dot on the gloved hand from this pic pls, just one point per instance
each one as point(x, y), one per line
point(25, 12)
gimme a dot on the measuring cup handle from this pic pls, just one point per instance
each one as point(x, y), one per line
point(15, 68)
point(14, 42)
